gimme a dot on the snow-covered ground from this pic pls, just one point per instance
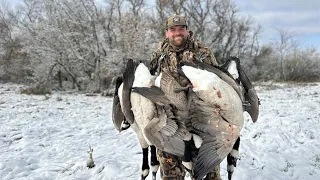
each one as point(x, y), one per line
point(48, 138)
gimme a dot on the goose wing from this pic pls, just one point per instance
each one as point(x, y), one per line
point(168, 85)
point(152, 93)
point(166, 132)
point(218, 136)
point(166, 93)
point(212, 152)
point(128, 78)
point(213, 90)
point(117, 114)
point(216, 116)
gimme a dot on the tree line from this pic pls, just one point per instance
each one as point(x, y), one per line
point(82, 44)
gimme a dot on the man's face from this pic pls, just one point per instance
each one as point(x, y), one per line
point(177, 35)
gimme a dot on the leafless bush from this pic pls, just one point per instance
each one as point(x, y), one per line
point(40, 88)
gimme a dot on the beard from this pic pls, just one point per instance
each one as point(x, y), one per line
point(178, 40)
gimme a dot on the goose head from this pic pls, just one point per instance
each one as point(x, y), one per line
point(117, 114)
point(251, 100)
point(142, 75)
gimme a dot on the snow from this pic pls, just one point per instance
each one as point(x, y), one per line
point(48, 137)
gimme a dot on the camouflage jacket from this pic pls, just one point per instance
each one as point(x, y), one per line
point(167, 58)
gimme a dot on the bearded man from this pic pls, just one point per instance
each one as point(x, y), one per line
point(178, 46)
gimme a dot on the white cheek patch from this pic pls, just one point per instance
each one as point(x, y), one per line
point(197, 140)
point(232, 69)
point(157, 81)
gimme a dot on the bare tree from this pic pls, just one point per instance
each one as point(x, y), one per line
point(83, 45)
point(283, 47)
point(302, 65)
point(14, 64)
point(199, 16)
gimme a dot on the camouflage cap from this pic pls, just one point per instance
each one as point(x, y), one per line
point(176, 20)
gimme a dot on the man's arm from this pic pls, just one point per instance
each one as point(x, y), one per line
point(153, 65)
point(207, 56)
point(211, 59)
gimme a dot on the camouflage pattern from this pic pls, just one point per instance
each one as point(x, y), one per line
point(171, 167)
point(214, 174)
point(167, 58)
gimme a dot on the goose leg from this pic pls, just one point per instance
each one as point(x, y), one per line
point(145, 147)
point(187, 153)
point(154, 162)
point(232, 158)
point(145, 165)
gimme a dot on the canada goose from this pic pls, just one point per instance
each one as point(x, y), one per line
point(153, 124)
point(216, 115)
point(158, 96)
point(159, 108)
point(121, 124)
point(251, 104)
point(175, 107)
point(123, 86)
point(235, 76)
point(159, 126)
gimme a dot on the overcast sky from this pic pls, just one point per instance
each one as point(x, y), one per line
point(300, 17)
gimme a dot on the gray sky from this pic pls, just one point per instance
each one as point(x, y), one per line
point(300, 17)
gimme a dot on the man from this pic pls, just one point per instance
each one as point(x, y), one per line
point(179, 45)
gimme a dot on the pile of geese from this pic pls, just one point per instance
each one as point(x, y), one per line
point(205, 113)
